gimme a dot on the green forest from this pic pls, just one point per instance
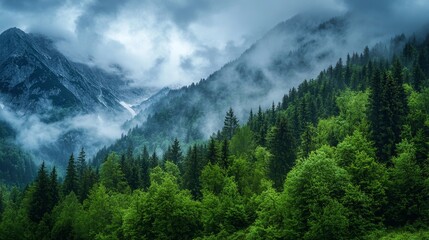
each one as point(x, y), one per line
point(342, 156)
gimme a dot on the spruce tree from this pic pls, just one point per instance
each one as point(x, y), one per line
point(282, 147)
point(70, 180)
point(224, 155)
point(54, 195)
point(153, 160)
point(40, 203)
point(192, 172)
point(144, 168)
point(418, 77)
point(387, 110)
point(212, 153)
point(176, 152)
point(230, 124)
point(81, 163)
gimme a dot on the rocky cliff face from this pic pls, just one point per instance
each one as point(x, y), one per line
point(37, 79)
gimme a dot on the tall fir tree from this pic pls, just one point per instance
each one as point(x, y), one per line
point(176, 152)
point(230, 124)
point(191, 178)
point(54, 195)
point(224, 155)
point(387, 110)
point(212, 152)
point(281, 144)
point(40, 203)
point(70, 180)
point(145, 167)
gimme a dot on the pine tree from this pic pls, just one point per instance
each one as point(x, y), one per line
point(54, 195)
point(224, 155)
point(230, 124)
point(282, 147)
point(192, 172)
point(176, 152)
point(145, 167)
point(387, 110)
point(418, 77)
point(153, 160)
point(81, 163)
point(40, 199)
point(212, 153)
point(70, 180)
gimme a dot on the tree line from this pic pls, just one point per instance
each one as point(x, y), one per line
point(342, 156)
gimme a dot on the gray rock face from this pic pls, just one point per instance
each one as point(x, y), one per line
point(35, 78)
point(56, 105)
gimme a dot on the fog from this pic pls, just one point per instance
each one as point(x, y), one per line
point(55, 141)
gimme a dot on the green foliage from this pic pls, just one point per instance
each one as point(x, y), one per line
point(343, 156)
point(408, 190)
point(70, 181)
point(282, 147)
point(164, 212)
point(67, 219)
point(103, 214)
point(230, 125)
point(111, 175)
point(40, 202)
point(313, 193)
point(242, 143)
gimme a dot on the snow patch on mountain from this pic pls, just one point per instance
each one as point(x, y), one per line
point(128, 107)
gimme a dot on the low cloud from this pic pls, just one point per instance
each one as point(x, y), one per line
point(35, 135)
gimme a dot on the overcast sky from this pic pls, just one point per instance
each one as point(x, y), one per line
point(175, 42)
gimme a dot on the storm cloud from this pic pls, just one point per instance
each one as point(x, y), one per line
point(177, 42)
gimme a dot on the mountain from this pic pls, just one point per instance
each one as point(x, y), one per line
point(55, 105)
point(343, 156)
point(35, 78)
point(291, 52)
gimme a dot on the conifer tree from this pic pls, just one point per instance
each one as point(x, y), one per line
point(81, 163)
point(418, 77)
point(212, 153)
point(145, 166)
point(40, 200)
point(176, 152)
point(54, 195)
point(224, 155)
point(192, 172)
point(230, 124)
point(153, 160)
point(387, 110)
point(282, 147)
point(70, 180)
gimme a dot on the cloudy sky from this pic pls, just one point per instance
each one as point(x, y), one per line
point(174, 42)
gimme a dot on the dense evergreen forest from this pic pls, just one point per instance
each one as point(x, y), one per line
point(343, 156)
point(16, 166)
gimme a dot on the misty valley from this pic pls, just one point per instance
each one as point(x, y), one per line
point(190, 120)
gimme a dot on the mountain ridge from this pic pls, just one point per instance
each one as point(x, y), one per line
point(28, 59)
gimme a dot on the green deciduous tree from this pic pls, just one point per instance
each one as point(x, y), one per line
point(111, 175)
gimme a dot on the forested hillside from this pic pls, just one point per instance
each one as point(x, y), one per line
point(297, 48)
point(342, 156)
point(16, 166)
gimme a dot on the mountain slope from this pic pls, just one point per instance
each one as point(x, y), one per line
point(36, 78)
point(54, 104)
point(291, 52)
